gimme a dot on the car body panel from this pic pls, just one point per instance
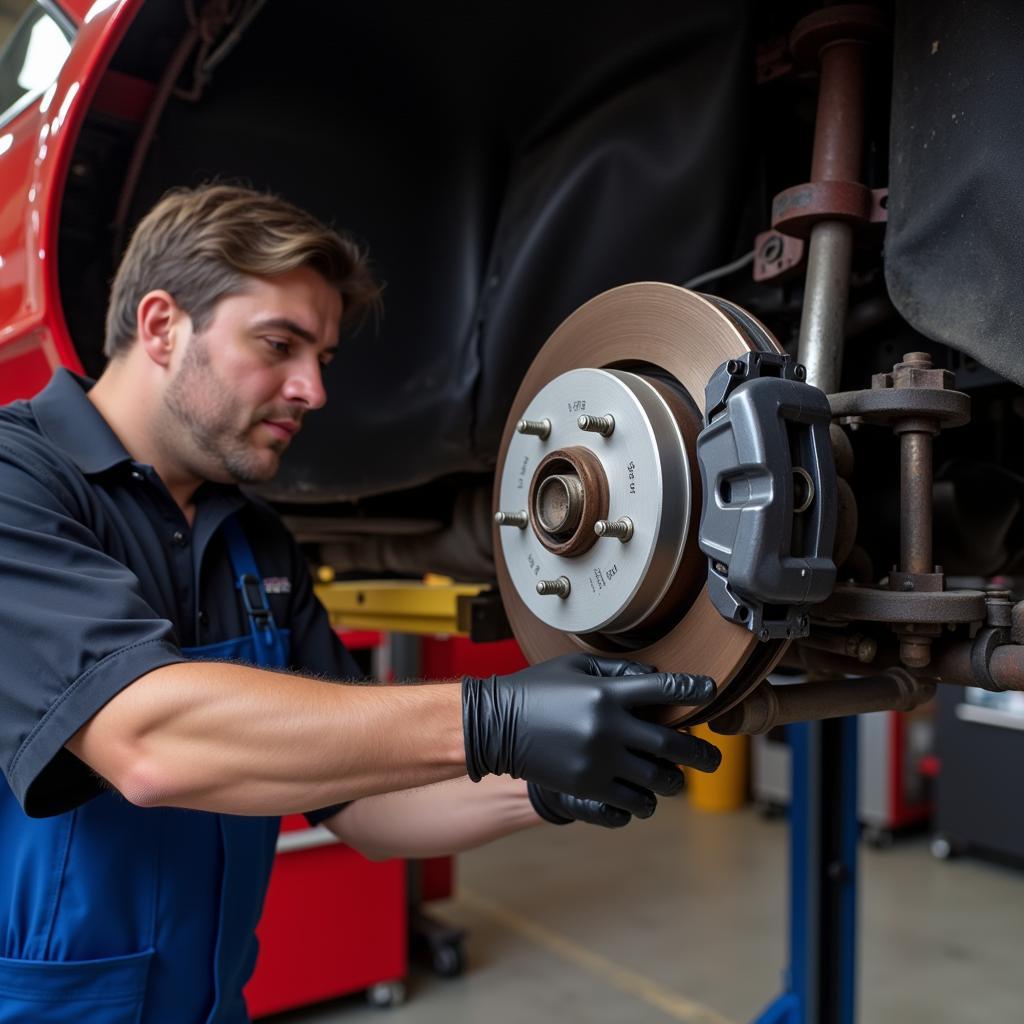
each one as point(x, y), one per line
point(36, 145)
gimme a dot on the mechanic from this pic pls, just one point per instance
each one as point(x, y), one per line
point(155, 622)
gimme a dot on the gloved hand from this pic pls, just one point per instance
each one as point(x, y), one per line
point(563, 809)
point(570, 725)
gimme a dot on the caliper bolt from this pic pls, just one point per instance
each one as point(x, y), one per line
point(561, 587)
point(539, 428)
point(520, 519)
point(603, 425)
point(621, 528)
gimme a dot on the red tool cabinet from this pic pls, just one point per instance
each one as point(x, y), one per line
point(333, 922)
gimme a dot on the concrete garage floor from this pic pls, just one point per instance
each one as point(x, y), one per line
point(683, 918)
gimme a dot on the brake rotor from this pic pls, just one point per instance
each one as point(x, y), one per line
point(599, 491)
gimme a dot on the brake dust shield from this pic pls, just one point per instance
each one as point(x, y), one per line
point(600, 494)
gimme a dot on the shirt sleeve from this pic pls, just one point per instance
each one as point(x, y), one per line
point(74, 631)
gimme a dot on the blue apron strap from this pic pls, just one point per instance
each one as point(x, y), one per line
point(267, 639)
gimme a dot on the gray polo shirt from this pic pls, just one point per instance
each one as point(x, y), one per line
point(102, 580)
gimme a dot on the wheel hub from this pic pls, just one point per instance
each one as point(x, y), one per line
point(574, 479)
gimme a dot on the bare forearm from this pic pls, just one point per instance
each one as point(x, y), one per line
point(223, 737)
point(430, 821)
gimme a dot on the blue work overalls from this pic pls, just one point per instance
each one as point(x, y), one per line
point(119, 914)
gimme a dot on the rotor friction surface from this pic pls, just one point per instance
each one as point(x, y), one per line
point(687, 337)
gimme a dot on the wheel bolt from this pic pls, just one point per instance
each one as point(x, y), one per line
point(519, 519)
point(561, 587)
point(603, 425)
point(621, 528)
point(539, 428)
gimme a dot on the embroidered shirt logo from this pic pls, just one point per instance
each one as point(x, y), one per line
point(277, 585)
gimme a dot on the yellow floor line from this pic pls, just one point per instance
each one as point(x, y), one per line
point(631, 982)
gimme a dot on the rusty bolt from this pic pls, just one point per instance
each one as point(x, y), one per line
point(866, 650)
point(915, 651)
point(772, 249)
point(922, 360)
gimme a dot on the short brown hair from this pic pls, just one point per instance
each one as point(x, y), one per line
point(200, 244)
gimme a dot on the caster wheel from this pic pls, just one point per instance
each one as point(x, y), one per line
point(943, 848)
point(878, 838)
point(448, 961)
point(386, 994)
point(770, 810)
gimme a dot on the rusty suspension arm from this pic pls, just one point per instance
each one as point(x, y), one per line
point(993, 660)
point(769, 706)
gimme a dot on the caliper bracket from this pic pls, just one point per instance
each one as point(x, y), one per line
point(768, 520)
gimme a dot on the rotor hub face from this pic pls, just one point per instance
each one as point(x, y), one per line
point(640, 472)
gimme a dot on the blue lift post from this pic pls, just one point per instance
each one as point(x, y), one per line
point(820, 982)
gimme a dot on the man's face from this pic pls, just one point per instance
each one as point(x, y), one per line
point(241, 388)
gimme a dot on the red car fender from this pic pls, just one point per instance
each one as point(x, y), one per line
point(35, 155)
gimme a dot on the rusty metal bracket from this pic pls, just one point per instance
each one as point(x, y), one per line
point(796, 210)
point(883, 407)
point(777, 256)
point(878, 604)
point(835, 41)
point(861, 24)
point(782, 251)
point(922, 582)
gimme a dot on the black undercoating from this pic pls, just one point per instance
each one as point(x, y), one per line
point(503, 163)
point(955, 238)
point(506, 162)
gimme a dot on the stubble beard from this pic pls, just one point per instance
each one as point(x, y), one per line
point(205, 416)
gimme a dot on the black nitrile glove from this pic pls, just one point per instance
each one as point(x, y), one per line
point(563, 809)
point(570, 725)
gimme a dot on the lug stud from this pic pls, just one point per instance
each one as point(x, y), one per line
point(621, 528)
point(561, 587)
point(603, 425)
point(539, 428)
point(519, 519)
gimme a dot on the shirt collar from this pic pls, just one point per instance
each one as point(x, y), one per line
point(67, 417)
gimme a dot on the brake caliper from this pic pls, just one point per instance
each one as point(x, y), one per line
point(768, 519)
